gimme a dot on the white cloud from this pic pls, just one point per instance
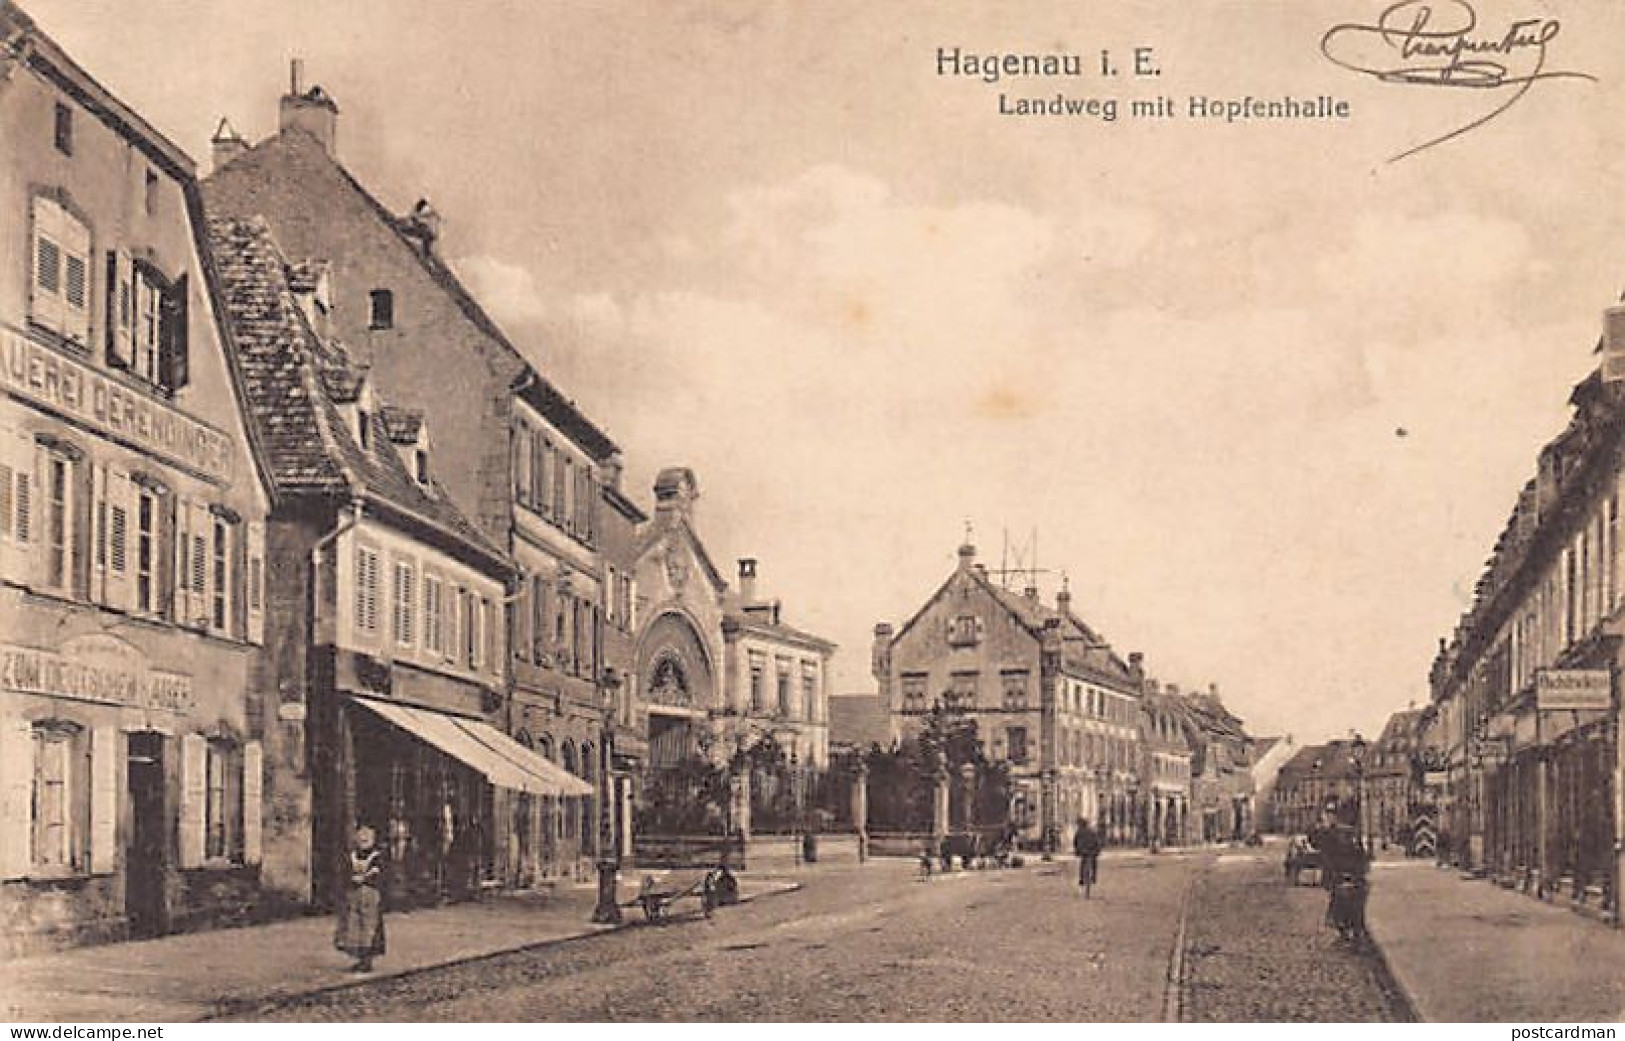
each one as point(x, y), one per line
point(508, 291)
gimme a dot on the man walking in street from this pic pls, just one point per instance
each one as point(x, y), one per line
point(1086, 844)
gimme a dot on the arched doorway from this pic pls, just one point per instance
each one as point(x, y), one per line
point(678, 686)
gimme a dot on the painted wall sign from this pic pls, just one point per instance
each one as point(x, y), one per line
point(47, 377)
point(100, 669)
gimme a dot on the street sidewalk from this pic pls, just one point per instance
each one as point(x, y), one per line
point(196, 975)
point(1469, 951)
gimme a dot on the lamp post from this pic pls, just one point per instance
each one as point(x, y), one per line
point(608, 908)
point(1357, 750)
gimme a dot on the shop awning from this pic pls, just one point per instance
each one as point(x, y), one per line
point(504, 761)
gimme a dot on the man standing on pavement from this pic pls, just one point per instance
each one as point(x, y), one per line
point(1086, 844)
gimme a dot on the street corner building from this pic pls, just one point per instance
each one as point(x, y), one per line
point(132, 531)
point(1048, 694)
point(1519, 751)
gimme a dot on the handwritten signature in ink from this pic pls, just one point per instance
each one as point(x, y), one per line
point(1438, 44)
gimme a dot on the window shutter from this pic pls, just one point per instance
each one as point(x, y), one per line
point(45, 287)
point(120, 540)
point(183, 562)
point(120, 309)
point(194, 776)
point(253, 797)
point(98, 533)
point(104, 771)
point(18, 453)
point(254, 582)
point(16, 797)
point(174, 362)
point(76, 258)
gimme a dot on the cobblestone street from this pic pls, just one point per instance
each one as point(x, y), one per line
point(878, 945)
point(1256, 950)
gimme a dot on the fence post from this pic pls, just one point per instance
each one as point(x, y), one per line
point(860, 808)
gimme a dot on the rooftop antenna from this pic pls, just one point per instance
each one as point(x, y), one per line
point(1014, 562)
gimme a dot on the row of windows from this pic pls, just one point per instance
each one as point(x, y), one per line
point(784, 703)
point(79, 528)
point(146, 314)
point(454, 625)
point(547, 480)
point(554, 627)
point(1087, 749)
point(962, 692)
point(62, 785)
point(1581, 588)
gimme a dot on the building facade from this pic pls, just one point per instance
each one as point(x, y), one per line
point(517, 457)
point(718, 669)
point(1221, 775)
point(1525, 690)
point(132, 514)
point(387, 649)
point(1049, 696)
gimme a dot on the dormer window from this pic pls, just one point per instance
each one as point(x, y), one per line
point(381, 309)
point(363, 423)
point(420, 468)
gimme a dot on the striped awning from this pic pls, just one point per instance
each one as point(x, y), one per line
point(503, 761)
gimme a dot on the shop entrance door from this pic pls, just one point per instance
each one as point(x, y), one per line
point(144, 902)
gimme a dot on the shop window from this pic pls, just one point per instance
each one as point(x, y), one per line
point(223, 801)
point(60, 802)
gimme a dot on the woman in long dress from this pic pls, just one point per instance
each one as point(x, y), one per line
point(360, 931)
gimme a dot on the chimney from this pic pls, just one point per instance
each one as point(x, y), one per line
point(309, 110)
point(614, 467)
point(1213, 691)
point(1613, 344)
point(1063, 601)
point(1031, 593)
point(747, 581)
point(880, 658)
point(967, 556)
point(1136, 667)
point(226, 144)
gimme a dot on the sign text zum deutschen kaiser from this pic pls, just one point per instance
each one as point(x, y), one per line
point(1141, 63)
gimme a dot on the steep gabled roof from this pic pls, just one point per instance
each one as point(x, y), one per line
point(292, 378)
point(531, 384)
point(657, 533)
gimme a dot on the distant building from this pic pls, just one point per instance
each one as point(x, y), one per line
point(1390, 791)
point(1049, 696)
point(1222, 781)
point(1317, 776)
point(1269, 755)
point(1167, 767)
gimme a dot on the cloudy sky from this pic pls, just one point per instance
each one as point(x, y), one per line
point(771, 242)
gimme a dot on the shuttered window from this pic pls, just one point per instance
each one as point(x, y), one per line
point(59, 298)
point(366, 589)
point(223, 801)
point(405, 603)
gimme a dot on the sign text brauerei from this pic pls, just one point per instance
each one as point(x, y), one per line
point(38, 373)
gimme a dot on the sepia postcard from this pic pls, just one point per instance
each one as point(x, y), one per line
point(724, 511)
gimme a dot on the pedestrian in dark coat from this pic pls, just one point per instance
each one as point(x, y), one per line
point(1086, 844)
point(360, 932)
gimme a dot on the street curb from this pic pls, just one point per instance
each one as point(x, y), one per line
point(253, 1006)
point(1403, 989)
